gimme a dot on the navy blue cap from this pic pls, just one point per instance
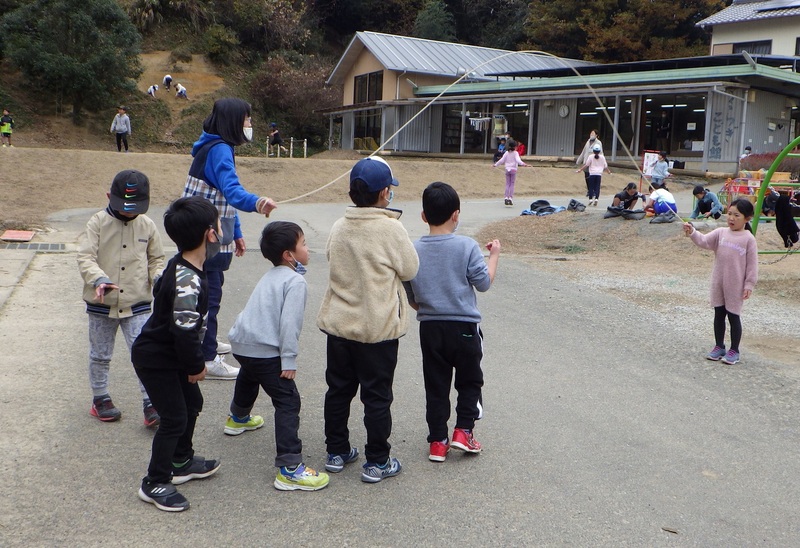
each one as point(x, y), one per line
point(375, 173)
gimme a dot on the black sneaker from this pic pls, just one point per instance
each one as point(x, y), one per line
point(163, 495)
point(197, 468)
point(104, 409)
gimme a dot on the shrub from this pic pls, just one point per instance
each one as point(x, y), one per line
point(181, 53)
point(754, 162)
point(220, 43)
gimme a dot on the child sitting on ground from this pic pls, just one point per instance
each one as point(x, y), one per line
point(264, 340)
point(168, 356)
point(119, 257)
point(443, 294)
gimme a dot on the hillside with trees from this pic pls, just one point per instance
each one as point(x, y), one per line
point(80, 58)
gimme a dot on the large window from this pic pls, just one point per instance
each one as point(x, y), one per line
point(367, 130)
point(368, 87)
point(592, 116)
point(675, 123)
point(762, 47)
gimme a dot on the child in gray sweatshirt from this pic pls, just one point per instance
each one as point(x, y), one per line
point(264, 340)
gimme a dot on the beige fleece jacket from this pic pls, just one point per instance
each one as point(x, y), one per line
point(370, 255)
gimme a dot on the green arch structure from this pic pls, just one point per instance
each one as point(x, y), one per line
point(765, 184)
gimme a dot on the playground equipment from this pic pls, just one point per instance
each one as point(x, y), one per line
point(765, 183)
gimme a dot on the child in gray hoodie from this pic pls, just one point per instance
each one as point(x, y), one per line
point(264, 340)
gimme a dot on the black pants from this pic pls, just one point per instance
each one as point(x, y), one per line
point(371, 367)
point(448, 346)
point(705, 207)
point(122, 138)
point(266, 373)
point(178, 403)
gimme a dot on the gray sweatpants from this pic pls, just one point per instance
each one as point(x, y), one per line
point(102, 333)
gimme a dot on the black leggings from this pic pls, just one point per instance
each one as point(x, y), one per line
point(719, 328)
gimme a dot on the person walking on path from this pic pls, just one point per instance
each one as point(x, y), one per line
point(265, 340)
point(121, 127)
point(585, 153)
point(213, 176)
point(595, 165)
point(451, 268)
point(511, 161)
point(119, 256)
point(733, 277)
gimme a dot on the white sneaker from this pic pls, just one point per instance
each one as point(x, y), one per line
point(218, 370)
point(223, 348)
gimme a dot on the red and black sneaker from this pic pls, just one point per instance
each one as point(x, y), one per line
point(103, 408)
point(464, 440)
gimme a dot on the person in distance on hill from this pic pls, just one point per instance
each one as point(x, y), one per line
point(167, 82)
point(6, 127)
point(151, 91)
point(121, 128)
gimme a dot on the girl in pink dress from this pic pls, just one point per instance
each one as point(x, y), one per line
point(734, 275)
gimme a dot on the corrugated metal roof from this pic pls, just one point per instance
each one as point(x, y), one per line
point(403, 53)
point(742, 11)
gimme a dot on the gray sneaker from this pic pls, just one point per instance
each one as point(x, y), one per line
point(373, 472)
point(336, 462)
point(731, 357)
point(716, 353)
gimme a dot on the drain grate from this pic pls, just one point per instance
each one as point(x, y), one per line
point(34, 247)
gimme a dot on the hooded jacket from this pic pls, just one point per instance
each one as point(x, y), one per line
point(370, 255)
point(221, 185)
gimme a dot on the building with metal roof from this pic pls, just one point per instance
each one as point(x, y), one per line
point(703, 111)
point(756, 26)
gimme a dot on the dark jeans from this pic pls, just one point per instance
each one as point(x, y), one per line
point(265, 373)
point(215, 276)
point(586, 180)
point(448, 346)
point(122, 138)
point(371, 367)
point(178, 403)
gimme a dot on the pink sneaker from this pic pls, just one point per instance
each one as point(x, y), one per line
point(464, 440)
point(439, 451)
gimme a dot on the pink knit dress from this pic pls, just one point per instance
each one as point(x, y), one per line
point(735, 265)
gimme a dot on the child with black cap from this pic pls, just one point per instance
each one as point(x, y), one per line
point(119, 256)
point(364, 313)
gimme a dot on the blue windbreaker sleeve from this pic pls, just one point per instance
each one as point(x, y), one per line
point(237, 227)
point(220, 171)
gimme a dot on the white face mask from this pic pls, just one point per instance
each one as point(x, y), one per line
point(248, 133)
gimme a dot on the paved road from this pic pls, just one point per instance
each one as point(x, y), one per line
point(589, 439)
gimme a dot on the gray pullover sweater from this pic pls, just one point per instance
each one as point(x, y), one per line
point(270, 324)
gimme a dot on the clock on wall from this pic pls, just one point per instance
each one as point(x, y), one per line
point(563, 111)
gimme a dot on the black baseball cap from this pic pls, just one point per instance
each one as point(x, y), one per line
point(130, 192)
